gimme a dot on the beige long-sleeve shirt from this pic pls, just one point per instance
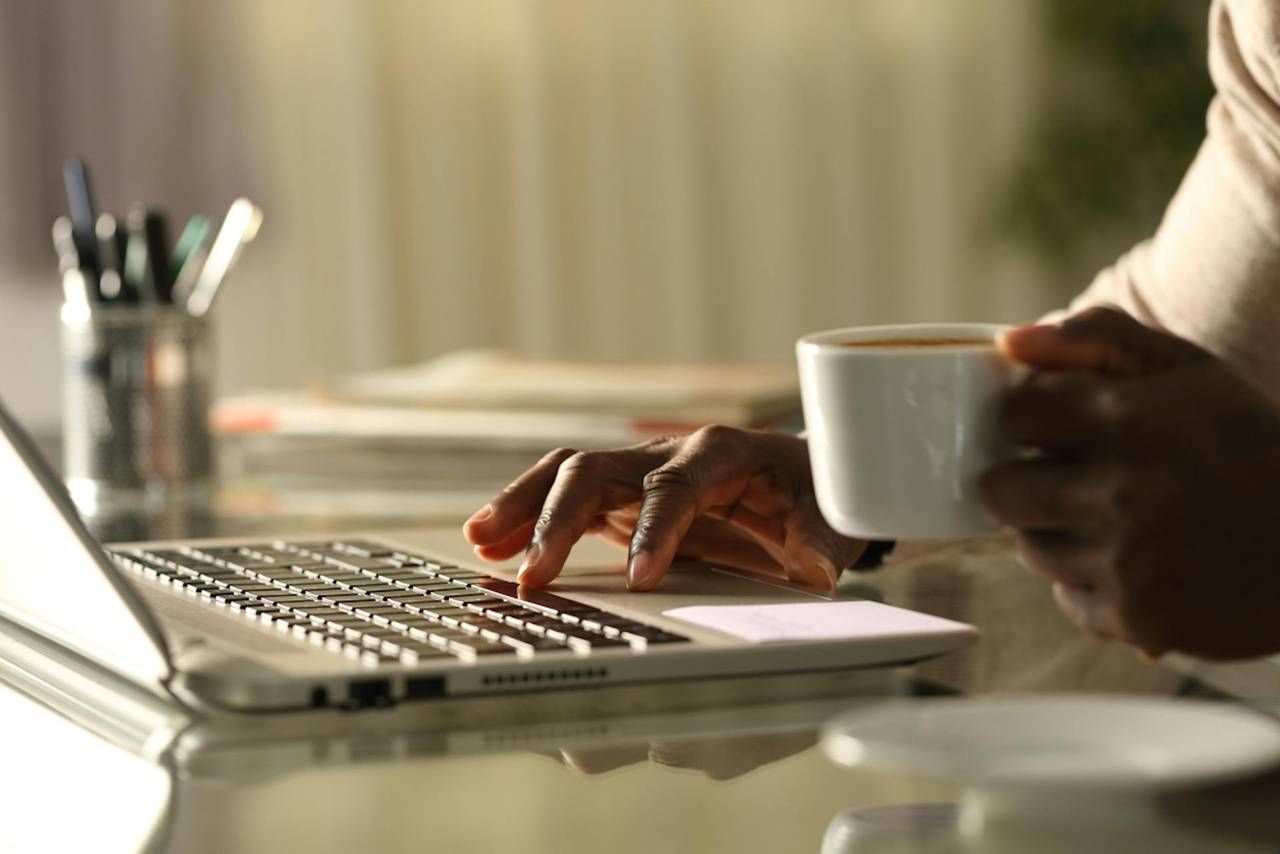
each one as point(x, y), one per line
point(1211, 273)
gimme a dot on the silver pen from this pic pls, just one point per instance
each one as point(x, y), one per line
point(238, 228)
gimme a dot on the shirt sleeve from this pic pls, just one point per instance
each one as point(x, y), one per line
point(1211, 272)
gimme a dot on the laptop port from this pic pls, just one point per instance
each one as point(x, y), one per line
point(423, 687)
point(319, 697)
point(369, 692)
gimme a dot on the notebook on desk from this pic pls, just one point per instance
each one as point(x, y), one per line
point(355, 621)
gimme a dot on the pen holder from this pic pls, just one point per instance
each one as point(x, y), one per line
point(136, 391)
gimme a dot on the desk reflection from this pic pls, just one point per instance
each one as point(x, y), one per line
point(67, 789)
point(743, 779)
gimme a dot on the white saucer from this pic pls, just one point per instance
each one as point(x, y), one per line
point(1058, 741)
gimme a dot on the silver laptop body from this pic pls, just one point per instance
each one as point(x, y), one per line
point(194, 635)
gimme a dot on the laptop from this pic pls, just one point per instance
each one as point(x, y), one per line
point(363, 620)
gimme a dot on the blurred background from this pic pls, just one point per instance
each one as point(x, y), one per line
point(657, 180)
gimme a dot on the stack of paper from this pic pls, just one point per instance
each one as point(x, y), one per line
point(501, 403)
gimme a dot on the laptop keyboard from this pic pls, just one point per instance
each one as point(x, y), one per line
point(380, 605)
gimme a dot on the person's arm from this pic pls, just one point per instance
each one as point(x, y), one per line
point(1211, 273)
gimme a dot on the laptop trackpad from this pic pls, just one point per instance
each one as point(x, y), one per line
point(688, 583)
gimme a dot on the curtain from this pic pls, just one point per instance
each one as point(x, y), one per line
point(665, 179)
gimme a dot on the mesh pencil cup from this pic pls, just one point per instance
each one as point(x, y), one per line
point(136, 391)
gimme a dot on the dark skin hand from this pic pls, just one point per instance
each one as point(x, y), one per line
point(1154, 507)
point(741, 498)
point(721, 758)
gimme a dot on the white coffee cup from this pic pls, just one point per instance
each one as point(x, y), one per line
point(900, 433)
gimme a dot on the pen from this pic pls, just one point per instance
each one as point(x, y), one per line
point(188, 257)
point(75, 176)
point(110, 256)
point(238, 228)
point(155, 229)
point(75, 290)
point(64, 244)
point(139, 279)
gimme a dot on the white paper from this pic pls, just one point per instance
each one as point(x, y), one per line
point(815, 621)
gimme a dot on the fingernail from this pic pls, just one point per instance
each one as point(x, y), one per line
point(641, 571)
point(481, 515)
point(811, 574)
point(531, 556)
point(830, 574)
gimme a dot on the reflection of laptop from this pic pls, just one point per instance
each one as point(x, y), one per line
point(356, 621)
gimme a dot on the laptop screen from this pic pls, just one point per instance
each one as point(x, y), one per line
point(56, 580)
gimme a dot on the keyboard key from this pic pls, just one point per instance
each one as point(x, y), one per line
point(608, 643)
point(580, 646)
point(415, 650)
point(526, 647)
point(359, 563)
point(469, 648)
point(531, 598)
point(363, 548)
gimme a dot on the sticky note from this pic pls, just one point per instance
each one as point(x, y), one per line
point(816, 621)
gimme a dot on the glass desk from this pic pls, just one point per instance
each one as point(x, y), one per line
point(730, 767)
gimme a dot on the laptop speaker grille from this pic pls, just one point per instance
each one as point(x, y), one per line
point(551, 676)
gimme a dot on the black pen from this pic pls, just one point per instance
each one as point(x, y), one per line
point(155, 227)
point(75, 175)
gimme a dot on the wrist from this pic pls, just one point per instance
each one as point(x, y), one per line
point(874, 554)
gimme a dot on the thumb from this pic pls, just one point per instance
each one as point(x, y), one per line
point(1105, 340)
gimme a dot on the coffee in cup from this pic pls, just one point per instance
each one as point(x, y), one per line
point(902, 423)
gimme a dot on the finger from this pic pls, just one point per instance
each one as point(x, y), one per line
point(712, 540)
point(506, 549)
point(1088, 609)
point(516, 505)
point(1065, 557)
point(1054, 410)
point(770, 529)
point(1043, 494)
point(586, 486)
point(1099, 339)
point(717, 541)
point(712, 469)
point(814, 554)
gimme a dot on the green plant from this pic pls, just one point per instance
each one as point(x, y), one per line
point(1124, 114)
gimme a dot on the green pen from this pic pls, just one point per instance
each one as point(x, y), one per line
point(192, 237)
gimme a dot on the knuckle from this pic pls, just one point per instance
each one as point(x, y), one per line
point(665, 442)
point(558, 456)
point(580, 463)
point(1125, 497)
point(716, 435)
point(545, 518)
point(671, 478)
point(1111, 404)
